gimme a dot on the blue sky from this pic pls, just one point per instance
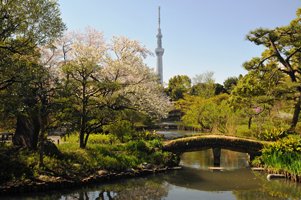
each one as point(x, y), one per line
point(198, 35)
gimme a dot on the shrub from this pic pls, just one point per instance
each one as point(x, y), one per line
point(122, 129)
point(291, 144)
point(272, 134)
point(138, 146)
point(285, 154)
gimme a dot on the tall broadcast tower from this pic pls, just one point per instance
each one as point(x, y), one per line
point(159, 51)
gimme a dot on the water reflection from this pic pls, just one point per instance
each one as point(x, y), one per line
point(195, 181)
point(204, 159)
point(207, 180)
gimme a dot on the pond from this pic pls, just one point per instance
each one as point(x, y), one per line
point(172, 134)
point(197, 180)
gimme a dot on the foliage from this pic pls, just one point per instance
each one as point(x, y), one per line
point(24, 81)
point(103, 82)
point(204, 85)
point(285, 154)
point(282, 54)
point(230, 83)
point(219, 89)
point(289, 144)
point(178, 86)
point(207, 114)
point(272, 133)
point(122, 129)
point(16, 165)
point(75, 163)
point(254, 94)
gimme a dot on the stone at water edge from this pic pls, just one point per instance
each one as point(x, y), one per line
point(272, 176)
point(257, 169)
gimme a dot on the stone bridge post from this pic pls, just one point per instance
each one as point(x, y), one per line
point(216, 157)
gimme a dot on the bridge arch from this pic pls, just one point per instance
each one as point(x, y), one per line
point(216, 143)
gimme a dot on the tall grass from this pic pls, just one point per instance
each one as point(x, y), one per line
point(290, 162)
point(284, 154)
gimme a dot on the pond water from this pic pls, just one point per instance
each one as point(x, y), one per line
point(197, 180)
point(172, 134)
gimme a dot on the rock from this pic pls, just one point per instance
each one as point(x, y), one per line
point(88, 179)
point(216, 168)
point(176, 168)
point(130, 170)
point(147, 166)
point(102, 172)
point(272, 176)
point(257, 169)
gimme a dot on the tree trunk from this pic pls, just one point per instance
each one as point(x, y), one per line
point(82, 140)
point(41, 157)
point(250, 122)
point(82, 131)
point(86, 139)
point(297, 110)
point(27, 130)
point(43, 137)
point(83, 120)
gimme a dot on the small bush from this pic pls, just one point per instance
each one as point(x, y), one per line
point(285, 154)
point(122, 129)
point(272, 134)
point(138, 146)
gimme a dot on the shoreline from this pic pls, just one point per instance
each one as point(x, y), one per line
point(287, 175)
point(103, 177)
point(58, 183)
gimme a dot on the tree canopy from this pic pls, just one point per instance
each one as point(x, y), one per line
point(178, 86)
point(282, 52)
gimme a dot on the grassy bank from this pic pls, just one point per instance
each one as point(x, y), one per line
point(103, 152)
point(282, 156)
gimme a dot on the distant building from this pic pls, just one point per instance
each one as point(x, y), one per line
point(159, 51)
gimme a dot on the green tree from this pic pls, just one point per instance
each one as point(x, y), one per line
point(283, 50)
point(122, 129)
point(206, 114)
point(219, 89)
point(85, 90)
point(204, 85)
point(25, 26)
point(178, 86)
point(256, 93)
point(230, 83)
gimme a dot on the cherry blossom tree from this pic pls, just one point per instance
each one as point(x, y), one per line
point(101, 79)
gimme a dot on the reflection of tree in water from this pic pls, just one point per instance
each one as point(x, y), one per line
point(271, 190)
point(139, 189)
point(253, 194)
point(134, 189)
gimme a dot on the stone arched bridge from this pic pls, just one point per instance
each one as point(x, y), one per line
point(215, 142)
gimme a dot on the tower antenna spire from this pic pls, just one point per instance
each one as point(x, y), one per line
point(159, 17)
